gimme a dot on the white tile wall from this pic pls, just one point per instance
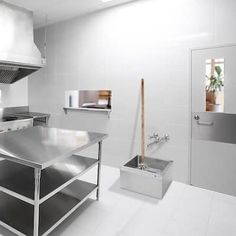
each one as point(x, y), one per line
point(113, 49)
point(16, 94)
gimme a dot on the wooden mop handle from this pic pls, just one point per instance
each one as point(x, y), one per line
point(142, 124)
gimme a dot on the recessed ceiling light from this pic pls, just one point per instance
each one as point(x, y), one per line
point(106, 0)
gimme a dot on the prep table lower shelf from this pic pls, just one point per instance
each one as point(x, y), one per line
point(18, 180)
point(17, 215)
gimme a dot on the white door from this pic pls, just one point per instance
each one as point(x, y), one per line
point(213, 141)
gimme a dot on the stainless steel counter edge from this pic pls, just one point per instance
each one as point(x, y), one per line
point(49, 163)
point(32, 115)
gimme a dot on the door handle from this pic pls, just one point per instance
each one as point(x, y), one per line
point(207, 123)
point(210, 123)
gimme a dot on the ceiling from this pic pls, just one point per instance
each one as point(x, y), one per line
point(51, 11)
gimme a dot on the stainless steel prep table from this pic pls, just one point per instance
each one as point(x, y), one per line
point(39, 186)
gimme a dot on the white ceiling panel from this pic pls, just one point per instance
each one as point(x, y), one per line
point(52, 11)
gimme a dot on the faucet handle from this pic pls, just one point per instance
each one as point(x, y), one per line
point(154, 136)
point(167, 137)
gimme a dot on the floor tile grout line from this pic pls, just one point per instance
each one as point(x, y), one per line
point(210, 213)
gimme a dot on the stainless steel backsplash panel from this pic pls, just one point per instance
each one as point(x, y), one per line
point(218, 127)
point(5, 111)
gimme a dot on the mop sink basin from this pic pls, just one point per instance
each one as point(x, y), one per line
point(153, 180)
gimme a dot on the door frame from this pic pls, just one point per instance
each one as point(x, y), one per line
point(215, 46)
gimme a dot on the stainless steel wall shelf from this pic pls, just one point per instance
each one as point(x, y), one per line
point(36, 196)
point(108, 111)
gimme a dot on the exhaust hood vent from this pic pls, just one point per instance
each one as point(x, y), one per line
point(10, 74)
point(19, 56)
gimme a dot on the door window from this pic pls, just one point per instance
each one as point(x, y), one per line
point(214, 85)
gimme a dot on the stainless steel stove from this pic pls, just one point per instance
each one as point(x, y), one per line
point(10, 123)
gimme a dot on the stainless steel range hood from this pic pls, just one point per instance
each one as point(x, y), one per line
point(19, 56)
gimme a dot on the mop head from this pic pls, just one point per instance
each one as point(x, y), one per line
point(145, 167)
point(142, 166)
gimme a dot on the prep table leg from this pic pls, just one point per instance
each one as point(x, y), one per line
point(37, 176)
point(99, 167)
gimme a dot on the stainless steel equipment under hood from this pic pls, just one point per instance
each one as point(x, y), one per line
point(19, 56)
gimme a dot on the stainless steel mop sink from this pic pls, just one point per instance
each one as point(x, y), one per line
point(153, 180)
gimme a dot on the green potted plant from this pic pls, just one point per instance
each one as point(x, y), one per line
point(214, 93)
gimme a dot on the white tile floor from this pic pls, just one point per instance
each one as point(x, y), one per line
point(184, 211)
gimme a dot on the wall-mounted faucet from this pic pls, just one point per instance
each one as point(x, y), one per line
point(154, 136)
point(157, 139)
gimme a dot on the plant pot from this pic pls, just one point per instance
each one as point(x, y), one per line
point(215, 107)
point(210, 97)
point(215, 101)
